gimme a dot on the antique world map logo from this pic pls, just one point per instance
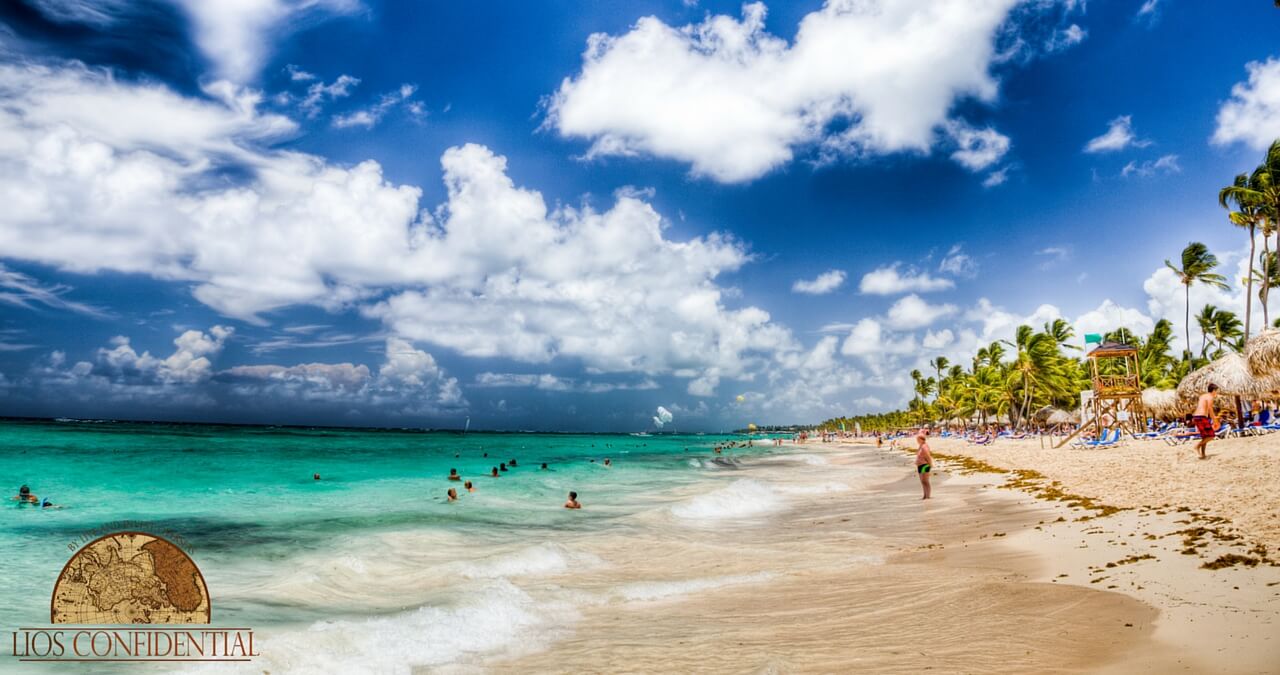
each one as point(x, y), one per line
point(130, 578)
point(130, 597)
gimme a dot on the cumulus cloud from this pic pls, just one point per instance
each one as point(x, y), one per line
point(1252, 114)
point(102, 175)
point(892, 280)
point(824, 283)
point(735, 101)
point(913, 312)
point(1118, 136)
point(409, 380)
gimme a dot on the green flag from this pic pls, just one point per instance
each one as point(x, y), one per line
point(1092, 337)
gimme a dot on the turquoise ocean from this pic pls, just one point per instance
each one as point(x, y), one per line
point(372, 547)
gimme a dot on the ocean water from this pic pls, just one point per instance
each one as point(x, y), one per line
point(371, 559)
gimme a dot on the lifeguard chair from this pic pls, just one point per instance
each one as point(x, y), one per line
point(1116, 375)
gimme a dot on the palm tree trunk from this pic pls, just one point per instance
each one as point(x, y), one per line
point(1187, 319)
point(1248, 289)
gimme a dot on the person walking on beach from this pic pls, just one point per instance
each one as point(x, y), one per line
point(924, 463)
point(1205, 419)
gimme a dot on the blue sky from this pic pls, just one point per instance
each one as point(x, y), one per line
point(564, 215)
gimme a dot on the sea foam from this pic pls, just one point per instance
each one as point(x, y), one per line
point(740, 499)
point(543, 559)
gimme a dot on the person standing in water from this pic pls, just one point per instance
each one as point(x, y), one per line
point(572, 502)
point(453, 495)
point(1205, 419)
point(469, 486)
point(453, 475)
point(924, 463)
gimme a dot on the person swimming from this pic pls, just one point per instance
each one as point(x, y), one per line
point(495, 472)
point(511, 462)
point(469, 486)
point(315, 476)
point(453, 495)
point(608, 462)
point(502, 466)
point(25, 496)
point(572, 502)
point(544, 467)
point(453, 475)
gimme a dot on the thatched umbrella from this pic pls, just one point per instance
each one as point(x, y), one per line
point(1263, 353)
point(1234, 378)
point(1061, 417)
point(1042, 415)
point(1162, 402)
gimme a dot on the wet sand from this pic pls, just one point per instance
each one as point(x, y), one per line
point(858, 574)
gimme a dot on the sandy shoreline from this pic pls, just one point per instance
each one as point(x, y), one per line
point(980, 579)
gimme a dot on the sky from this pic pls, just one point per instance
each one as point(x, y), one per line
point(621, 216)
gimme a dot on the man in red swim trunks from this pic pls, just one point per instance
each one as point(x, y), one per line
point(1205, 419)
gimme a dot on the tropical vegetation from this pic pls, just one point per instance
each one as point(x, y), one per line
point(1012, 379)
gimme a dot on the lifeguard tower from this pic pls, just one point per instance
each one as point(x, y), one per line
point(1116, 401)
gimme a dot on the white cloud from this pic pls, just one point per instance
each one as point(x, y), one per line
point(409, 380)
point(235, 35)
point(319, 92)
point(978, 148)
point(1109, 317)
point(996, 178)
point(1066, 38)
point(663, 418)
point(938, 340)
point(133, 187)
point(959, 263)
point(734, 101)
point(1052, 256)
point(23, 290)
point(1252, 114)
point(1165, 165)
point(891, 280)
point(549, 382)
point(913, 312)
point(824, 283)
point(370, 117)
point(1118, 136)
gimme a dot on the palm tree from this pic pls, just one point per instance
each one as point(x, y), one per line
point(1205, 319)
point(940, 364)
point(1225, 327)
point(1247, 215)
point(1197, 266)
point(1267, 274)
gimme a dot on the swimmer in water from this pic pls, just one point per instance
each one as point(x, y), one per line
point(511, 463)
point(469, 486)
point(608, 462)
point(453, 495)
point(495, 472)
point(453, 475)
point(544, 466)
point(502, 466)
point(25, 496)
point(315, 476)
point(572, 503)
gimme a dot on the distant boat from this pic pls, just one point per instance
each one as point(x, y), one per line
point(641, 433)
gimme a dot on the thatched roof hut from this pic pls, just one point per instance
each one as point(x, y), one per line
point(1062, 416)
point(1263, 353)
point(1163, 402)
point(1234, 378)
